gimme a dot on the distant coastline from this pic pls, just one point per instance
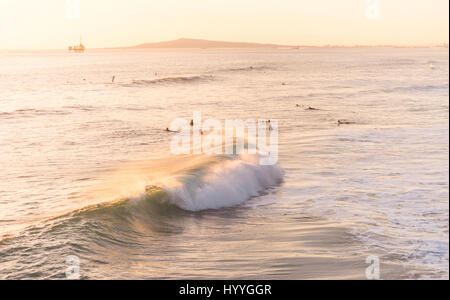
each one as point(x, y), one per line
point(188, 43)
point(185, 43)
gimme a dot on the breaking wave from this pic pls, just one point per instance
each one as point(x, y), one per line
point(172, 79)
point(192, 183)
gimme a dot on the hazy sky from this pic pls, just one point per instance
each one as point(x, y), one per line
point(44, 24)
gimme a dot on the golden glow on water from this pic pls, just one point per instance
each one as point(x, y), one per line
point(70, 139)
point(131, 179)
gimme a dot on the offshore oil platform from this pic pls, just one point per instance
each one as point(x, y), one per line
point(77, 49)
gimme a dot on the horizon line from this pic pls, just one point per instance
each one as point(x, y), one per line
point(268, 44)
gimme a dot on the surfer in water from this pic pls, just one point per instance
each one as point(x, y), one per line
point(168, 130)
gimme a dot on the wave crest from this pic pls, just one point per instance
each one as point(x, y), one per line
point(192, 183)
point(226, 184)
point(172, 79)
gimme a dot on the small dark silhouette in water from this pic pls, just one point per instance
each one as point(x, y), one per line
point(345, 122)
point(192, 123)
point(251, 67)
point(113, 79)
point(168, 130)
point(312, 108)
point(283, 83)
point(270, 125)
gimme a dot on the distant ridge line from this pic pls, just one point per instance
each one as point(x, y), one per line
point(185, 43)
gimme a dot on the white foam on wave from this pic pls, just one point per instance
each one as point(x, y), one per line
point(191, 182)
point(225, 184)
point(172, 79)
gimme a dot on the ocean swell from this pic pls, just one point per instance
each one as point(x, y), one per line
point(226, 184)
point(172, 79)
point(191, 183)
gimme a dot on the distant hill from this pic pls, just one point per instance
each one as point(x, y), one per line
point(205, 44)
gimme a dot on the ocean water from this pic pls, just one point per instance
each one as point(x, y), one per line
point(86, 170)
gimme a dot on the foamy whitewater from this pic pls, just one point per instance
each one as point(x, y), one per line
point(87, 171)
point(228, 184)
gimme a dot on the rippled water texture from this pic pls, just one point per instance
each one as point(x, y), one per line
point(85, 166)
